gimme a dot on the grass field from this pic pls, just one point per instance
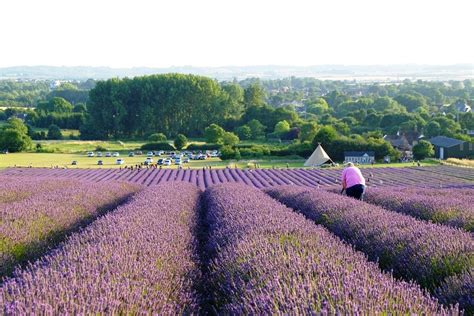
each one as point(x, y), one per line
point(64, 160)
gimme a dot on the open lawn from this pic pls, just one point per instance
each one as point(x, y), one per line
point(65, 160)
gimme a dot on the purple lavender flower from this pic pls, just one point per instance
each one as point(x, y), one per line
point(47, 210)
point(266, 259)
point(138, 259)
point(413, 249)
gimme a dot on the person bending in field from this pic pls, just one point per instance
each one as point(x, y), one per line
point(353, 181)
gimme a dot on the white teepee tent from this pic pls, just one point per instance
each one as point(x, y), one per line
point(317, 158)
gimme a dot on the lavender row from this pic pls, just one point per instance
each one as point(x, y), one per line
point(139, 259)
point(14, 189)
point(413, 249)
point(267, 259)
point(31, 225)
point(452, 207)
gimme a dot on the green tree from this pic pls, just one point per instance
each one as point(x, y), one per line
point(257, 128)
point(80, 108)
point(432, 129)
point(172, 103)
point(213, 133)
point(17, 124)
point(54, 132)
point(157, 137)
point(308, 131)
point(180, 141)
point(325, 136)
point(281, 128)
point(244, 132)
point(254, 95)
point(14, 136)
point(411, 101)
point(422, 150)
point(317, 106)
point(236, 98)
point(467, 120)
point(56, 105)
point(230, 139)
point(228, 152)
point(448, 127)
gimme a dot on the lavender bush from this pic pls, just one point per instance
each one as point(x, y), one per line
point(30, 225)
point(266, 259)
point(413, 249)
point(139, 259)
point(14, 189)
point(453, 207)
point(459, 288)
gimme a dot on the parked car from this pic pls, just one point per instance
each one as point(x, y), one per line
point(100, 163)
point(177, 161)
point(167, 162)
point(160, 162)
point(148, 161)
point(119, 161)
point(185, 160)
point(131, 154)
point(149, 154)
point(90, 154)
point(108, 155)
point(157, 153)
point(138, 153)
point(74, 163)
point(115, 154)
point(98, 154)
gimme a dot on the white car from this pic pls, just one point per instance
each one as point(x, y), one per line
point(167, 162)
point(115, 154)
point(149, 154)
point(98, 154)
point(90, 154)
point(119, 161)
point(108, 155)
point(148, 160)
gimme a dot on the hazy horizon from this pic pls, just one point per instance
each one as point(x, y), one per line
point(208, 33)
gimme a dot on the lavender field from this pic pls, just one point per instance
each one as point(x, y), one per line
point(430, 177)
point(233, 241)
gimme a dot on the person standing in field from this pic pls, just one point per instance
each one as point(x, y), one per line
point(353, 181)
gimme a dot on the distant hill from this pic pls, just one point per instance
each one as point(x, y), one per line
point(379, 73)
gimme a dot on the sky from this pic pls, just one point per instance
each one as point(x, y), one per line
point(214, 33)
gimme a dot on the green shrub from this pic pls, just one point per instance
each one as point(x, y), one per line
point(255, 152)
point(228, 152)
point(157, 146)
point(157, 137)
point(180, 141)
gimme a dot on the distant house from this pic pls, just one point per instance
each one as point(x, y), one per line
point(462, 106)
point(446, 147)
point(361, 157)
point(398, 142)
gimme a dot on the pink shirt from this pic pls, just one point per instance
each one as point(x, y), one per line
point(352, 176)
